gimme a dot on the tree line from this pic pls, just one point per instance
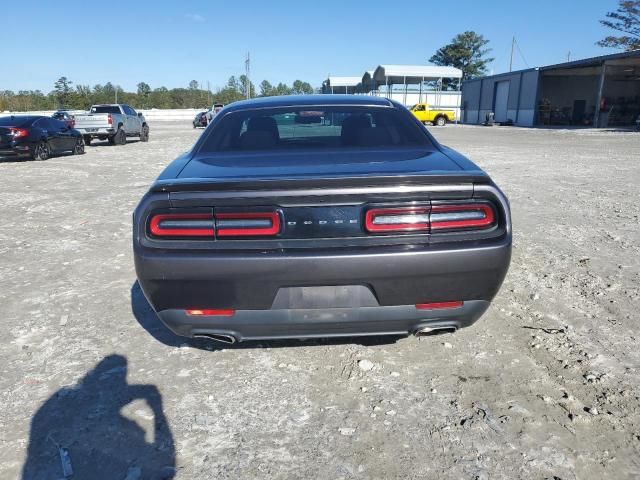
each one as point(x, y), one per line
point(67, 95)
point(467, 51)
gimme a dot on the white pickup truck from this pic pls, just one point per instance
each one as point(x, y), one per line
point(113, 122)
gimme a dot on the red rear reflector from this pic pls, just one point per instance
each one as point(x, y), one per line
point(247, 224)
point(110, 119)
point(478, 215)
point(400, 219)
point(219, 312)
point(439, 305)
point(182, 225)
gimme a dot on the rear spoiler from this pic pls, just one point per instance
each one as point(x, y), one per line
point(393, 183)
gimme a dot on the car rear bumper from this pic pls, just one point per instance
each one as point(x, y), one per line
point(20, 149)
point(253, 286)
point(331, 322)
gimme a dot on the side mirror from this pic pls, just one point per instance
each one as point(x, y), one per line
point(139, 114)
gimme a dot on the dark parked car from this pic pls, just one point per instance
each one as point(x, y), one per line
point(356, 223)
point(200, 120)
point(38, 137)
point(66, 117)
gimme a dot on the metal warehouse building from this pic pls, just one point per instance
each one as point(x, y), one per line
point(601, 91)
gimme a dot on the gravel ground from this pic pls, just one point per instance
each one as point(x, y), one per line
point(545, 385)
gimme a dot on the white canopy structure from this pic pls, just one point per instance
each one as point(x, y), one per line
point(341, 84)
point(405, 75)
point(407, 84)
point(401, 74)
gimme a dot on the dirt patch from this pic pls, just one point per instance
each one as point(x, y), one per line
point(545, 384)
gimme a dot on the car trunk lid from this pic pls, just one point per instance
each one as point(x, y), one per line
point(282, 165)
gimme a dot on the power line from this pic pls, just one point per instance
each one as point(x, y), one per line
point(520, 51)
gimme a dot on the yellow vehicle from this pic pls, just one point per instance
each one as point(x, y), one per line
point(425, 113)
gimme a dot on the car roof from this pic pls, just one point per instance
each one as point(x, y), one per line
point(309, 101)
point(20, 120)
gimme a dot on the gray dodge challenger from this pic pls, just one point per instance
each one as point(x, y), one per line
point(320, 216)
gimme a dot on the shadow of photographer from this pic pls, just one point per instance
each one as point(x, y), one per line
point(103, 428)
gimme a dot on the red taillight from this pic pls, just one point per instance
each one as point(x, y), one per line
point(223, 224)
point(435, 218)
point(444, 217)
point(439, 305)
point(110, 119)
point(401, 219)
point(182, 225)
point(247, 224)
point(19, 132)
point(218, 312)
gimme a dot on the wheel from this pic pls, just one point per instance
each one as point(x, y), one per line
point(78, 148)
point(144, 134)
point(441, 121)
point(87, 140)
point(120, 138)
point(41, 151)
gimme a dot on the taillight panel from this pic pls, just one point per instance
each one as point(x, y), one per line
point(19, 132)
point(247, 224)
point(209, 225)
point(473, 216)
point(436, 218)
point(397, 219)
point(182, 225)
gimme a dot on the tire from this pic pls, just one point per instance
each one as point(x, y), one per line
point(440, 121)
point(144, 134)
point(87, 139)
point(78, 148)
point(120, 138)
point(41, 151)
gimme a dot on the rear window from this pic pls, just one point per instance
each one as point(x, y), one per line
point(105, 109)
point(315, 128)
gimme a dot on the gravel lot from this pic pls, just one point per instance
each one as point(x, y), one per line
point(546, 385)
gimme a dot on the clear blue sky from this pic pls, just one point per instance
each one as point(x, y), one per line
point(170, 43)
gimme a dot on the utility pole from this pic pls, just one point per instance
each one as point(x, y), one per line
point(569, 56)
point(116, 94)
point(208, 93)
point(513, 44)
point(247, 69)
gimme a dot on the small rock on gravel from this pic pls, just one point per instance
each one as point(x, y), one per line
point(365, 365)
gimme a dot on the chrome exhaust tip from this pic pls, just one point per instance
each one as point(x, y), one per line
point(218, 337)
point(430, 331)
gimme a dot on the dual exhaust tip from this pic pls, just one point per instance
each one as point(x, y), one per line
point(218, 337)
point(427, 331)
point(434, 330)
